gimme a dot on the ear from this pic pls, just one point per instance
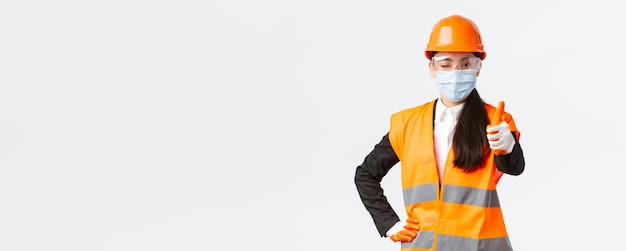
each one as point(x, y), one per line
point(477, 73)
point(431, 70)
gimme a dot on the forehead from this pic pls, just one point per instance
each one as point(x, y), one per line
point(453, 55)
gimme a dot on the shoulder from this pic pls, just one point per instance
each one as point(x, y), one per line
point(415, 109)
point(408, 116)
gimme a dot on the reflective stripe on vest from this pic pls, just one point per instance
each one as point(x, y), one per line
point(425, 240)
point(454, 194)
point(463, 213)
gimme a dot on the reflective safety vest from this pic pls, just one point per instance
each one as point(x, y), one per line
point(460, 212)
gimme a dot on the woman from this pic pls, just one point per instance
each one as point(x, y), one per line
point(452, 151)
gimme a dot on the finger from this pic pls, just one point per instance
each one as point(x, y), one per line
point(393, 238)
point(398, 237)
point(408, 233)
point(494, 141)
point(496, 128)
point(497, 116)
point(494, 136)
point(412, 220)
point(405, 238)
point(493, 128)
point(495, 146)
point(412, 226)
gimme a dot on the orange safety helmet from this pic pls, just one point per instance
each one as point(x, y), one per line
point(455, 34)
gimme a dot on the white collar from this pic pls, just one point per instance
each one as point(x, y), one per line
point(440, 108)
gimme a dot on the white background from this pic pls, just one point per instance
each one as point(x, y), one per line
point(237, 125)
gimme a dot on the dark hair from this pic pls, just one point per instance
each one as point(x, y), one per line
point(470, 139)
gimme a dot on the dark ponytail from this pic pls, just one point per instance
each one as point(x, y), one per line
point(470, 139)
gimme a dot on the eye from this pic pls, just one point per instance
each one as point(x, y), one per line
point(466, 65)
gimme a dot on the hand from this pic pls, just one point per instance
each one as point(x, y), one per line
point(500, 138)
point(408, 232)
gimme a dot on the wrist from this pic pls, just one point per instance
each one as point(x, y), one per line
point(510, 148)
point(399, 226)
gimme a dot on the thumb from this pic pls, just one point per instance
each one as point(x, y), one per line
point(496, 118)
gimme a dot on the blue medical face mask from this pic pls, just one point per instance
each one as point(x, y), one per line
point(456, 85)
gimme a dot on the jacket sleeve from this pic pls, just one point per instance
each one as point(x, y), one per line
point(512, 163)
point(367, 179)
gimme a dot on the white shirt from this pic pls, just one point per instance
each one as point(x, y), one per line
point(445, 124)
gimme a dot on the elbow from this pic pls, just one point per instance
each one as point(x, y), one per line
point(361, 176)
point(521, 164)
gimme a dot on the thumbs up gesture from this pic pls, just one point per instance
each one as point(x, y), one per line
point(499, 134)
